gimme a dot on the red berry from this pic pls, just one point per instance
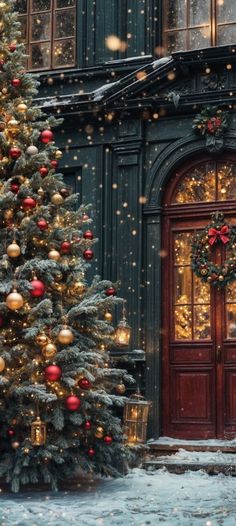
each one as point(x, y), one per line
point(12, 48)
point(43, 171)
point(11, 432)
point(88, 234)
point(91, 452)
point(85, 217)
point(15, 187)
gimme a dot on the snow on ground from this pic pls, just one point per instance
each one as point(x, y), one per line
point(141, 498)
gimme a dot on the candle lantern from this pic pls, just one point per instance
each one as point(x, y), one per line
point(38, 432)
point(122, 332)
point(135, 419)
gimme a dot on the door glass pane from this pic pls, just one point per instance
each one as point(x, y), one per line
point(182, 248)
point(226, 35)
point(65, 23)
point(176, 41)
point(199, 12)
point(226, 10)
point(201, 291)
point(231, 292)
point(226, 181)
point(183, 323)
point(41, 27)
point(40, 54)
point(183, 285)
point(176, 14)
point(201, 322)
point(231, 310)
point(41, 5)
point(199, 184)
point(199, 38)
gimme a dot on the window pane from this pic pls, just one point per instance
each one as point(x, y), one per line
point(183, 285)
point(226, 182)
point(202, 322)
point(41, 27)
point(64, 53)
point(175, 41)
point(40, 56)
point(226, 11)
point(23, 22)
point(21, 6)
point(65, 23)
point(41, 5)
point(231, 292)
point(65, 3)
point(183, 323)
point(199, 12)
point(199, 38)
point(198, 185)
point(201, 291)
point(231, 321)
point(226, 35)
point(183, 241)
point(176, 14)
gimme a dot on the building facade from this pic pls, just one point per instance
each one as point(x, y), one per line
point(129, 78)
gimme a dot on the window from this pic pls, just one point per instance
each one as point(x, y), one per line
point(193, 24)
point(48, 28)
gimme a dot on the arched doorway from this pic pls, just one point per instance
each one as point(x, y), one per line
point(199, 337)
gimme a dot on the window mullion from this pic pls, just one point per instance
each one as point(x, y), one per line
point(213, 23)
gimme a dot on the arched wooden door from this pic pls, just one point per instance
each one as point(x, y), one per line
point(199, 319)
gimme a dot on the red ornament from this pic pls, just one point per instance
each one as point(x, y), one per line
point(213, 124)
point(65, 247)
point(11, 432)
point(111, 291)
point(85, 217)
point(53, 373)
point(15, 152)
point(1, 321)
point(46, 136)
point(88, 254)
point(88, 234)
point(87, 425)
point(42, 224)
point(54, 163)
point(108, 440)
point(72, 403)
point(91, 452)
point(14, 187)
point(12, 48)
point(38, 289)
point(84, 383)
point(43, 171)
point(16, 83)
point(28, 203)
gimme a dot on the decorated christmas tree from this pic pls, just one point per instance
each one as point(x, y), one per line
point(57, 388)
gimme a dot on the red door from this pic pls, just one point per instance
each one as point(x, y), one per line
point(199, 320)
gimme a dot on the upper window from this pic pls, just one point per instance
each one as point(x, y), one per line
point(49, 29)
point(193, 24)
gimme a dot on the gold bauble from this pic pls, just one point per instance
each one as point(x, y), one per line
point(22, 108)
point(60, 287)
point(49, 350)
point(12, 128)
point(13, 250)
point(204, 271)
point(4, 91)
point(65, 336)
point(42, 339)
point(108, 316)
point(99, 432)
point(2, 364)
point(221, 278)
point(15, 444)
point(14, 300)
point(54, 254)
point(78, 288)
point(57, 199)
point(58, 154)
point(8, 214)
point(120, 388)
point(209, 279)
point(40, 192)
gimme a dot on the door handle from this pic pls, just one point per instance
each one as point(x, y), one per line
point(218, 354)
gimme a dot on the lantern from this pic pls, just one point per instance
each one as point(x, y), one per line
point(135, 419)
point(38, 432)
point(122, 332)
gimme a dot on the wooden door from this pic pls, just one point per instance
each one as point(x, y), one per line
point(199, 323)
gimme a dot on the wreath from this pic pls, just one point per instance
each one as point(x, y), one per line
point(212, 124)
point(204, 242)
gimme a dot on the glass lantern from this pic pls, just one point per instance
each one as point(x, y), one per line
point(38, 432)
point(135, 419)
point(122, 332)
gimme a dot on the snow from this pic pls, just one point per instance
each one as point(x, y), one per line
point(98, 93)
point(178, 441)
point(161, 62)
point(139, 499)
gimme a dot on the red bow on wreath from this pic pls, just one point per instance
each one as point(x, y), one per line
point(221, 234)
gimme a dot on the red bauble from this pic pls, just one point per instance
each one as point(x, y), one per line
point(91, 452)
point(14, 187)
point(15, 152)
point(53, 373)
point(87, 425)
point(88, 254)
point(12, 48)
point(65, 247)
point(46, 136)
point(54, 163)
point(16, 83)
point(88, 234)
point(72, 403)
point(42, 224)
point(43, 171)
point(84, 383)
point(108, 440)
point(85, 217)
point(28, 203)
point(38, 289)
point(1, 321)
point(111, 291)
point(11, 432)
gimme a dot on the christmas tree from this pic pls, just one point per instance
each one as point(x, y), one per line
point(57, 388)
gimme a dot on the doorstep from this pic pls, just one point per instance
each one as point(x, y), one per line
point(167, 445)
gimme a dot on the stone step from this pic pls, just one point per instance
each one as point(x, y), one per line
point(180, 466)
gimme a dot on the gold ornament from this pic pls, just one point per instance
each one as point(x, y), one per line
point(13, 250)
point(209, 279)
point(12, 128)
point(38, 432)
point(42, 339)
point(8, 214)
point(49, 350)
point(22, 108)
point(15, 444)
point(54, 254)
point(99, 432)
point(120, 388)
point(221, 278)
point(14, 300)
point(65, 336)
point(57, 199)
point(108, 316)
point(77, 289)
point(40, 192)
point(4, 91)
point(204, 271)
point(58, 154)
point(60, 287)
point(2, 364)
